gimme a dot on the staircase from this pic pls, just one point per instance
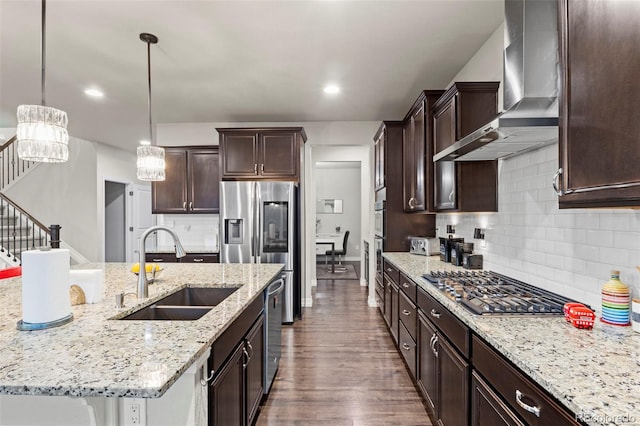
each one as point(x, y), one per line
point(19, 231)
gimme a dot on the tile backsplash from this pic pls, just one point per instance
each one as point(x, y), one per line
point(196, 232)
point(568, 251)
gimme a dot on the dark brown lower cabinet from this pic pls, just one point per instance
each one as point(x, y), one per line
point(226, 406)
point(387, 300)
point(189, 258)
point(236, 389)
point(427, 375)
point(394, 311)
point(254, 369)
point(487, 409)
point(453, 385)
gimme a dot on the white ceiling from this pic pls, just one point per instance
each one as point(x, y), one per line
point(234, 61)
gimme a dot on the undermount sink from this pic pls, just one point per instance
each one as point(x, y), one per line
point(168, 313)
point(186, 304)
point(197, 296)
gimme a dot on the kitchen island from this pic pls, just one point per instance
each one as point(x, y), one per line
point(593, 373)
point(96, 355)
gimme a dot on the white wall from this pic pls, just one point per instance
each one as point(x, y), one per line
point(341, 183)
point(65, 194)
point(569, 251)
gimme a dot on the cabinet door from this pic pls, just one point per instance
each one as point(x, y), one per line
point(226, 404)
point(394, 311)
point(444, 124)
point(427, 374)
point(445, 197)
point(279, 155)
point(487, 409)
point(170, 195)
point(387, 301)
point(413, 149)
point(255, 368)
point(599, 126)
point(204, 181)
point(453, 384)
point(379, 163)
point(239, 153)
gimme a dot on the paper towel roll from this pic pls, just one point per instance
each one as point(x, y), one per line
point(91, 281)
point(45, 285)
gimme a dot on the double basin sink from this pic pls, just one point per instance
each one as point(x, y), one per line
point(186, 304)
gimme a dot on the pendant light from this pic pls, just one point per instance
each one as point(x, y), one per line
point(42, 131)
point(150, 157)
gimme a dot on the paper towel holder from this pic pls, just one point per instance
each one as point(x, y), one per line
point(30, 326)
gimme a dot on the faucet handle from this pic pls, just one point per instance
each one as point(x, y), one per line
point(120, 299)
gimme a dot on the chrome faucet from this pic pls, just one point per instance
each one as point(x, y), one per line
point(143, 283)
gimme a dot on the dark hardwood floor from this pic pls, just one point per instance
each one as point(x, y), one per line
point(339, 366)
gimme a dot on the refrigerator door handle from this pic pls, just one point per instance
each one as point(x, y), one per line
point(258, 231)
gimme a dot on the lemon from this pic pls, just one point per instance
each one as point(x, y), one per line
point(149, 267)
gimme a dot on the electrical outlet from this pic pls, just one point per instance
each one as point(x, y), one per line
point(135, 412)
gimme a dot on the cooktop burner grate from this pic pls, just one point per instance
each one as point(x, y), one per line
point(485, 292)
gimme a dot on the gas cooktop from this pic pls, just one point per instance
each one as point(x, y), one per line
point(485, 292)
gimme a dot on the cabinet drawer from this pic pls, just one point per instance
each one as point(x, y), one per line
point(451, 327)
point(407, 313)
point(200, 258)
point(160, 257)
point(516, 389)
point(408, 287)
point(407, 347)
point(392, 271)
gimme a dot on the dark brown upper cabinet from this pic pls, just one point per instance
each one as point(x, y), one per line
point(465, 186)
point(417, 149)
point(265, 153)
point(192, 181)
point(600, 104)
point(379, 150)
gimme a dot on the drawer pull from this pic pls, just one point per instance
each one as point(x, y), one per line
point(389, 269)
point(433, 345)
point(435, 314)
point(406, 346)
point(405, 285)
point(405, 312)
point(158, 260)
point(198, 259)
point(184, 206)
point(529, 408)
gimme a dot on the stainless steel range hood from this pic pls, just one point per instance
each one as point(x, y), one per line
point(531, 84)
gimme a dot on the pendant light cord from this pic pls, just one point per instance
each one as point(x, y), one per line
point(43, 50)
point(149, 99)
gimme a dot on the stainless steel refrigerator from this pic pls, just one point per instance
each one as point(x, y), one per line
point(259, 224)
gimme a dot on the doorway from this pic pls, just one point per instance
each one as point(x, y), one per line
point(115, 221)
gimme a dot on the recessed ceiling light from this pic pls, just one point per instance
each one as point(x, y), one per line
point(331, 89)
point(145, 142)
point(94, 93)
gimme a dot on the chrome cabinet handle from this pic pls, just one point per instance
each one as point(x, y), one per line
point(261, 168)
point(255, 168)
point(451, 195)
point(433, 345)
point(405, 312)
point(529, 408)
point(434, 313)
point(205, 382)
point(410, 203)
point(406, 347)
point(184, 206)
point(158, 260)
point(198, 259)
point(405, 285)
point(191, 205)
point(433, 337)
point(389, 269)
point(245, 355)
point(554, 182)
point(250, 348)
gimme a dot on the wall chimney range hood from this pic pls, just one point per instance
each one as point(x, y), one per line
point(530, 89)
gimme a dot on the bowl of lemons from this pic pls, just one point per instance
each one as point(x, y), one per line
point(152, 269)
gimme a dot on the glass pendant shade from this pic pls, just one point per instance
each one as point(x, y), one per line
point(150, 163)
point(42, 134)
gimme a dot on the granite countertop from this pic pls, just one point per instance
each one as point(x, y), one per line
point(594, 373)
point(96, 355)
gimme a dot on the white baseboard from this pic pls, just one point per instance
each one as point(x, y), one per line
point(363, 282)
point(372, 302)
point(307, 302)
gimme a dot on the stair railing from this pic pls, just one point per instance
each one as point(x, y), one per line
point(11, 166)
point(19, 231)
